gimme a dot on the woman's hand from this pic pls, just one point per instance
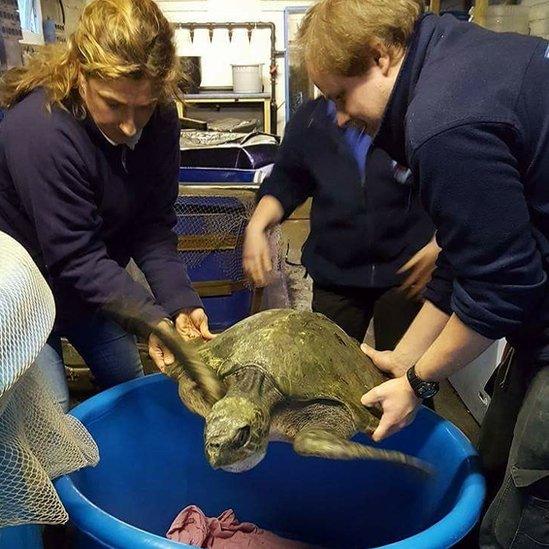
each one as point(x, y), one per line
point(192, 324)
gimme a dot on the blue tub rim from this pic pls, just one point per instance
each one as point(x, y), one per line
point(88, 518)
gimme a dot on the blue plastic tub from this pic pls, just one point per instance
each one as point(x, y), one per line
point(152, 465)
point(28, 536)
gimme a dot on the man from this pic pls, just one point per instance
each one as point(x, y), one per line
point(364, 227)
point(467, 110)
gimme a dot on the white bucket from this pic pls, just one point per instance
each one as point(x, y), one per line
point(247, 78)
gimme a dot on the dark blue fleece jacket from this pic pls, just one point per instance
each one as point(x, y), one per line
point(362, 229)
point(83, 207)
point(470, 115)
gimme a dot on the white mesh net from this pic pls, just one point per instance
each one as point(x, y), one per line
point(211, 225)
point(37, 441)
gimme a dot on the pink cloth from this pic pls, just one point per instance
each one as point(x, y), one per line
point(193, 527)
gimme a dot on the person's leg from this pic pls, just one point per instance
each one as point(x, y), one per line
point(518, 516)
point(350, 308)
point(109, 352)
point(50, 363)
point(496, 432)
point(393, 314)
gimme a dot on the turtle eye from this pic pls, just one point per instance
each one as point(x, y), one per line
point(242, 436)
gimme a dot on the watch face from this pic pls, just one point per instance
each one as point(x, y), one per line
point(427, 390)
point(422, 389)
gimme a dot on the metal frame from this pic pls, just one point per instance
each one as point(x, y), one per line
point(289, 10)
point(480, 10)
point(250, 26)
point(207, 99)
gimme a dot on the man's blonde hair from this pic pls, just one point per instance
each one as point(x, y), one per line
point(114, 38)
point(341, 36)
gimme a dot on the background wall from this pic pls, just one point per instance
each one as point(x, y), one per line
point(218, 55)
point(539, 17)
point(539, 13)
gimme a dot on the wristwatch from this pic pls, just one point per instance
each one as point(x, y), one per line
point(422, 389)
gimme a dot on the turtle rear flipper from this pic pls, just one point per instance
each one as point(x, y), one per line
point(317, 442)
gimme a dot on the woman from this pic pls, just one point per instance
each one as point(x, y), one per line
point(89, 161)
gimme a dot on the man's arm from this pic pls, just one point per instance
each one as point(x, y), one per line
point(472, 188)
point(256, 260)
point(289, 185)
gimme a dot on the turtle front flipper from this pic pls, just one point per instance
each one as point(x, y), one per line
point(129, 314)
point(317, 442)
point(191, 396)
point(190, 369)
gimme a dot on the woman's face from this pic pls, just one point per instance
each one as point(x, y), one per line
point(120, 107)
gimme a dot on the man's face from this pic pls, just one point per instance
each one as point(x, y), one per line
point(363, 97)
point(119, 107)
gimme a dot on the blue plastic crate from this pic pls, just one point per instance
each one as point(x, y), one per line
point(217, 175)
point(213, 228)
point(211, 232)
point(224, 311)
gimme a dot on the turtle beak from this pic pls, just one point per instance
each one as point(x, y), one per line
point(213, 454)
point(222, 449)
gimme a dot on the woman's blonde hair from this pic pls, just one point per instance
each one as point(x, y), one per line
point(114, 38)
point(340, 36)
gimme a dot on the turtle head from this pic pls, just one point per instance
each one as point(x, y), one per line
point(237, 434)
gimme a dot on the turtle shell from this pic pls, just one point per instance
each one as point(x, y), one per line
point(307, 355)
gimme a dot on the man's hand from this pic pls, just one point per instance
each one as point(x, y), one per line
point(256, 260)
point(419, 269)
point(399, 404)
point(192, 324)
point(389, 362)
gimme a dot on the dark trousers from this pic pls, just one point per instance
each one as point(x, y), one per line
point(353, 308)
point(514, 448)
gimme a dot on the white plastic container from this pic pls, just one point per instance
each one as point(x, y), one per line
point(247, 78)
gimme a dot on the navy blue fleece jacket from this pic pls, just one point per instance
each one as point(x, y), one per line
point(363, 228)
point(470, 115)
point(83, 207)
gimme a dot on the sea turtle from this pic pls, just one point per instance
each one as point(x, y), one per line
point(289, 375)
